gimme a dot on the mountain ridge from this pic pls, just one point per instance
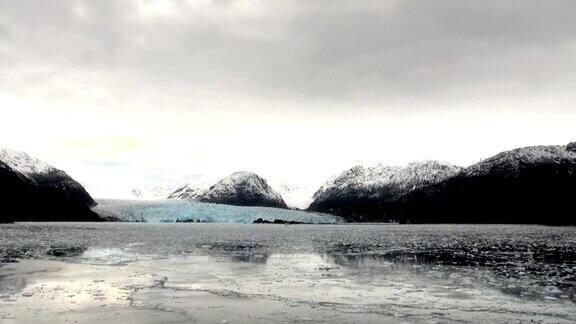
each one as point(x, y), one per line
point(32, 190)
point(359, 189)
point(529, 185)
point(243, 188)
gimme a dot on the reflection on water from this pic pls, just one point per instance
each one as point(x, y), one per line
point(10, 285)
point(367, 284)
point(511, 279)
point(271, 287)
point(510, 269)
point(378, 262)
point(257, 258)
point(547, 282)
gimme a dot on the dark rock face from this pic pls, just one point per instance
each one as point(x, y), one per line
point(40, 193)
point(58, 181)
point(277, 221)
point(243, 189)
point(13, 186)
point(571, 147)
point(532, 185)
point(361, 194)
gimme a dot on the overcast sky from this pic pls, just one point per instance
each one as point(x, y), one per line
point(119, 93)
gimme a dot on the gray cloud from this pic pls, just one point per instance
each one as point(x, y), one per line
point(5, 33)
point(371, 52)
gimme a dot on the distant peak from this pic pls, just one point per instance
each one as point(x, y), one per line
point(243, 174)
point(243, 189)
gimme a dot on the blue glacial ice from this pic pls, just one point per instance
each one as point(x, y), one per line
point(171, 210)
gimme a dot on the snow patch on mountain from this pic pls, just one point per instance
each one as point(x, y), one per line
point(510, 162)
point(192, 190)
point(187, 192)
point(23, 163)
point(366, 181)
point(153, 191)
point(295, 196)
point(243, 189)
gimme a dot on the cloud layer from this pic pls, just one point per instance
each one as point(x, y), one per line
point(329, 50)
point(195, 78)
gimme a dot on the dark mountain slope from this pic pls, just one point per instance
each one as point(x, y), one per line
point(532, 185)
point(31, 190)
point(362, 193)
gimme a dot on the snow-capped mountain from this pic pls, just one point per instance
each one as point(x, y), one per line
point(187, 192)
point(361, 187)
point(382, 180)
point(295, 196)
point(46, 175)
point(32, 190)
point(193, 189)
point(530, 185)
point(510, 163)
point(23, 163)
point(243, 189)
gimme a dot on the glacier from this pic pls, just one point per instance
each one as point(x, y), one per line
point(168, 210)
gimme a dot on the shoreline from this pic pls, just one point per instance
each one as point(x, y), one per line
point(285, 222)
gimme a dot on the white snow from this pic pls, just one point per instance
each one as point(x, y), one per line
point(24, 163)
point(512, 160)
point(374, 178)
point(187, 192)
point(295, 196)
point(247, 181)
point(152, 191)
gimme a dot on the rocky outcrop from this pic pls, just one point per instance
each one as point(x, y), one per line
point(531, 185)
point(362, 193)
point(32, 190)
point(278, 221)
point(243, 189)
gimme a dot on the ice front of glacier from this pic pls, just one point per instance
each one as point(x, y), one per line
point(155, 211)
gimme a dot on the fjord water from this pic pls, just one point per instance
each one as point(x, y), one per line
point(244, 273)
